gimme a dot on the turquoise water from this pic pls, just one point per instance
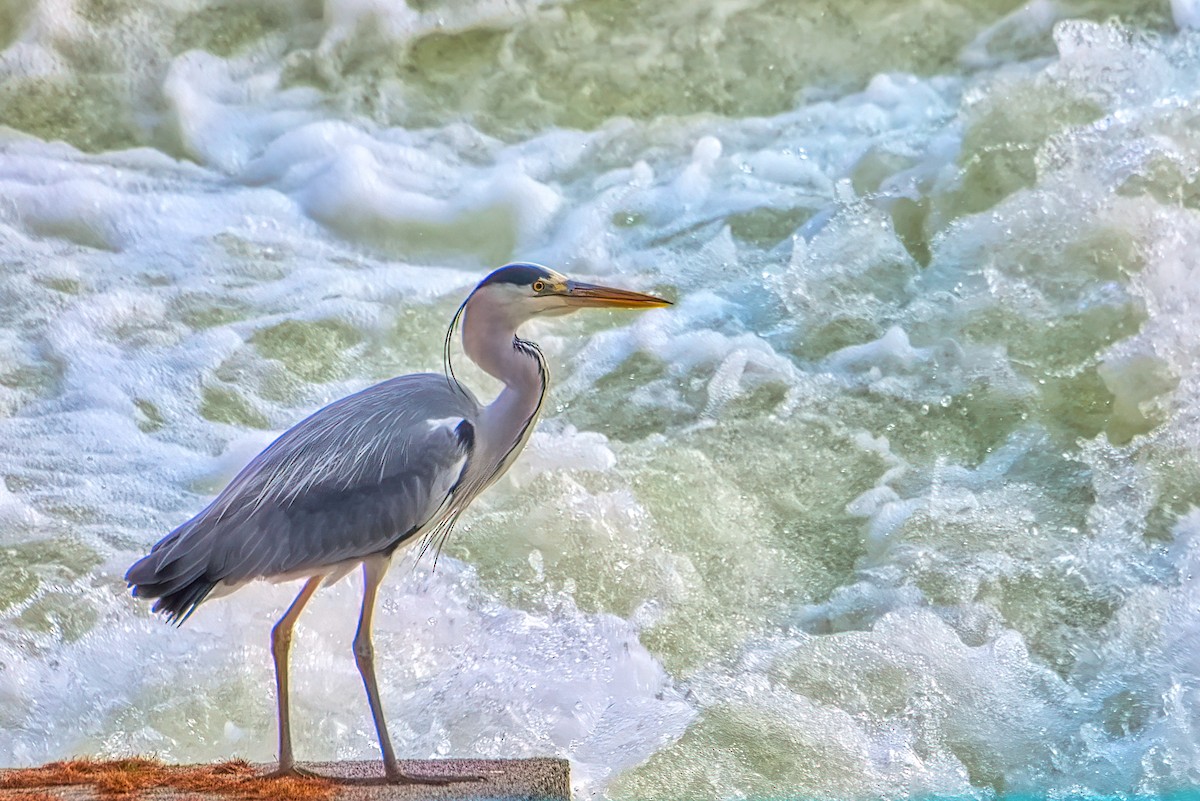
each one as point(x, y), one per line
point(897, 501)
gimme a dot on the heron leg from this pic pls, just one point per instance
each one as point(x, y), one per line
point(364, 655)
point(281, 643)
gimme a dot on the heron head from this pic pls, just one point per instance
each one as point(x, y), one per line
point(531, 290)
point(519, 292)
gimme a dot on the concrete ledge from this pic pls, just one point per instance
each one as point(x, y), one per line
point(515, 779)
point(498, 779)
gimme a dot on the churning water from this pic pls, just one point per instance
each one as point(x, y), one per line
point(895, 502)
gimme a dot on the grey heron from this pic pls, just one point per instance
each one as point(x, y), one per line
point(370, 474)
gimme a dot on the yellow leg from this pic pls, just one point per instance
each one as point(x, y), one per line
point(281, 643)
point(364, 655)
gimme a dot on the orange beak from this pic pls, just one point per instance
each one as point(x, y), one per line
point(593, 295)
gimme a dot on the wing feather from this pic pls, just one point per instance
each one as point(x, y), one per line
point(355, 479)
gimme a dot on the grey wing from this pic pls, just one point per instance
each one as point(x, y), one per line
point(357, 478)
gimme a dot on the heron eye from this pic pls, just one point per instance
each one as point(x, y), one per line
point(539, 285)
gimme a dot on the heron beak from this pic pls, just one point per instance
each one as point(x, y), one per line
point(592, 295)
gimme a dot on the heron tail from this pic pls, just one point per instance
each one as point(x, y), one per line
point(179, 584)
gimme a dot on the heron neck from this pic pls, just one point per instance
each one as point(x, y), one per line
point(490, 340)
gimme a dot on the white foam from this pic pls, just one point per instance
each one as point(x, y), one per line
point(910, 501)
point(1186, 13)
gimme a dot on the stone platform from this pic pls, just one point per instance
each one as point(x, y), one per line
point(507, 779)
